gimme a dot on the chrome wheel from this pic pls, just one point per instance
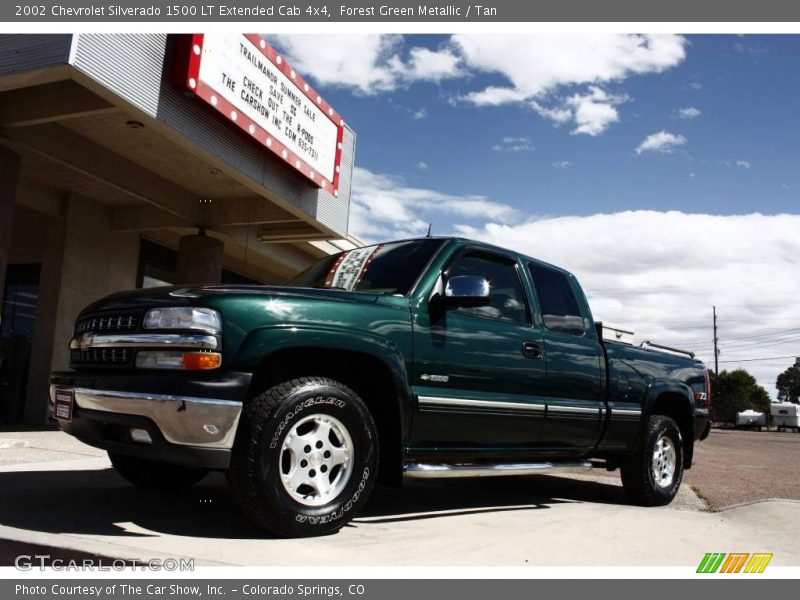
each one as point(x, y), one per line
point(664, 460)
point(316, 460)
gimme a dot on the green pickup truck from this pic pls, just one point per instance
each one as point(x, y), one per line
point(422, 358)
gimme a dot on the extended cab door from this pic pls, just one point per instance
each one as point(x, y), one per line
point(479, 372)
point(575, 384)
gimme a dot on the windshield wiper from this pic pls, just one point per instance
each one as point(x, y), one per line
point(330, 287)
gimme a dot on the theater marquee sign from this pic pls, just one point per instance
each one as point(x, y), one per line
point(246, 80)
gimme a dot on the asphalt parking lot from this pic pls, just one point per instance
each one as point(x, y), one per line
point(58, 492)
point(732, 467)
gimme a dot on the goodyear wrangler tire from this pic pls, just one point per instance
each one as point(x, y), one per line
point(305, 457)
point(653, 475)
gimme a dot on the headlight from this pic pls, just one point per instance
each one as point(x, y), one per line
point(183, 317)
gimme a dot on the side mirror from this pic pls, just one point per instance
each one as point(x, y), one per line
point(467, 290)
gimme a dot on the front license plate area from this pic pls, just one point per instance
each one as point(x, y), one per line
point(65, 402)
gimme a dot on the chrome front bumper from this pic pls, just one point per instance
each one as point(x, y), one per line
point(182, 420)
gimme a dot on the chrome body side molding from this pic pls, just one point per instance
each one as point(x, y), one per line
point(440, 401)
point(628, 412)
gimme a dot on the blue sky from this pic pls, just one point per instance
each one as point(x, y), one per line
point(664, 171)
point(748, 99)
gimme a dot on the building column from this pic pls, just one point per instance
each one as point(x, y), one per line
point(199, 260)
point(9, 176)
point(83, 260)
point(43, 348)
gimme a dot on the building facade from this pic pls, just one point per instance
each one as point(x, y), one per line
point(113, 176)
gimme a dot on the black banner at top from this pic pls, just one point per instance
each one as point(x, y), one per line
point(322, 11)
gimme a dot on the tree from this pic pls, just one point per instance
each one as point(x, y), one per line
point(788, 385)
point(736, 391)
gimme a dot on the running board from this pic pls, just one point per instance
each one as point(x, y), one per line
point(431, 471)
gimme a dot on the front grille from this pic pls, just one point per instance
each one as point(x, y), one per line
point(101, 356)
point(107, 323)
point(104, 323)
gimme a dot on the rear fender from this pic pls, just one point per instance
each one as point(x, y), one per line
point(676, 400)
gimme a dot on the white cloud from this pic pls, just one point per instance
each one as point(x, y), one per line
point(748, 49)
point(384, 207)
point(429, 65)
point(595, 111)
point(739, 164)
point(562, 77)
point(419, 114)
point(660, 273)
point(539, 67)
point(663, 142)
point(363, 62)
point(696, 85)
point(422, 165)
point(369, 64)
point(688, 113)
point(494, 96)
point(562, 164)
point(514, 144)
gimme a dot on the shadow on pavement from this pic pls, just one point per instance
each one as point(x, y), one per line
point(99, 502)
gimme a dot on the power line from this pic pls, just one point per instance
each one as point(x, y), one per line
point(773, 334)
point(762, 343)
point(687, 287)
point(673, 320)
point(759, 359)
point(779, 333)
point(757, 340)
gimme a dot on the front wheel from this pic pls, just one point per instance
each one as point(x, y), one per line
point(653, 475)
point(305, 457)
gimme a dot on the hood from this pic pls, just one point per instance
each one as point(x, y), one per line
point(193, 295)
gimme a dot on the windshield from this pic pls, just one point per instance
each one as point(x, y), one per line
point(390, 268)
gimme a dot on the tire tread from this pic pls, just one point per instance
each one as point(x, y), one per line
point(256, 415)
point(636, 480)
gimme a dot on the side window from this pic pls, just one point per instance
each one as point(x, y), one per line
point(559, 306)
point(507, 298)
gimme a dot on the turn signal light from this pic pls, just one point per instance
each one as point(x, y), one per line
point(171, 359)
point(196, 361)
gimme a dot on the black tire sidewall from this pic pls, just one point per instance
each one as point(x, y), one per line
point(670, 428)
point(336, 401)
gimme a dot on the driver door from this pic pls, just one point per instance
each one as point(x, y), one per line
point(478, 371)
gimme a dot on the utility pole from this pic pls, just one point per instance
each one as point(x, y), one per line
point(716, 349)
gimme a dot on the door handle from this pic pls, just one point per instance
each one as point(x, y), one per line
point(532, 350)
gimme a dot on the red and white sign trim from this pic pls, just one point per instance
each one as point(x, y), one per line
point(205, 91)
point(348, 270)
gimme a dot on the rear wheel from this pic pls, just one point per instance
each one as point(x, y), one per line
point(155, 476)
point(653, 475)
point(305, 457)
